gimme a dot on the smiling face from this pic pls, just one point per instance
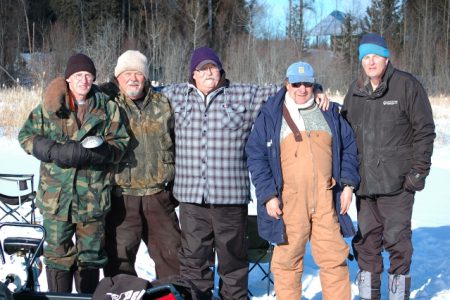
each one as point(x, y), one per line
point(374, 66)
point(300, 92)
point(207, 78)
point(132, 83)
point(80, 84)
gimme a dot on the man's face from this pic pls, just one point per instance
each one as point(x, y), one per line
point(301, 92)
point(207, 78)
point(132, 83)
point(80, 84)
point(374, 65)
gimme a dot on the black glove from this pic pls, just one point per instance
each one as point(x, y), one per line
point(70, 155)
point(101, 154)
point(414, 181)
point(42, 148)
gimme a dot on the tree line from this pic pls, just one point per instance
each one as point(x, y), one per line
point(42, 34)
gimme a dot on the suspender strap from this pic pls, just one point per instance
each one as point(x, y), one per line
point(291, 124)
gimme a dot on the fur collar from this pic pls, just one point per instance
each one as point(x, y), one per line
point(56, 95)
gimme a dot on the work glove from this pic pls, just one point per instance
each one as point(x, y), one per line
point(42, 148)
point(71, 154)
point(101, 154)
point(414, 181)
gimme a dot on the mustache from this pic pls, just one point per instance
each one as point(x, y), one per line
point(132, 83)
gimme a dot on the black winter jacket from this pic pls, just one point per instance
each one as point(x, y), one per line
point(394, 131)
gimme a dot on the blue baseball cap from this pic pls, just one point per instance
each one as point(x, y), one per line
point(372, 43)
point(300, 72)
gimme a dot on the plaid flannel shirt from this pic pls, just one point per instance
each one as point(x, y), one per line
point(210, 162)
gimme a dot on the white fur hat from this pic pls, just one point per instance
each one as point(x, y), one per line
point(131, 60)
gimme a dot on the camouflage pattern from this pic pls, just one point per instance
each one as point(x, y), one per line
point(148, 164)
point(75, 194)
point(60, 251)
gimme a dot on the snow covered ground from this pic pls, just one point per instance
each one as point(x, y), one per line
point(431, 230)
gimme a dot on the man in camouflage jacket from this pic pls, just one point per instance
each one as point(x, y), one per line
point(75, 182)
point(142, 203)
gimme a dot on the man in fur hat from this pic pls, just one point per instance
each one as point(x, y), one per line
point(78, 136)
point(142, 203)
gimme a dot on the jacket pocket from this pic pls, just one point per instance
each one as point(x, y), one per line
point(183, 114)
point(394, 164)
point(233, 116)
point(98, 200)
point(50, 200)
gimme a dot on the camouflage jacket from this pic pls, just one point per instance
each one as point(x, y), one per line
point(148, 164)
point(76, 194)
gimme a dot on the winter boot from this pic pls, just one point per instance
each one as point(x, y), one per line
point(399, 287)
point(86, 280)
point(59, 281)
point(369, 285)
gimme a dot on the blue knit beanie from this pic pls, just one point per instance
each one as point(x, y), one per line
point(202, 56)
point(372, 43)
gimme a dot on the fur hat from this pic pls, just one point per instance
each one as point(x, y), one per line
point(202, 56)
point(80, 62)
point(131, 60)
point(372, 43)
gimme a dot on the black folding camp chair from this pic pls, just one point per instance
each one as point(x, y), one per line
point(259, 252)
point(18, 206)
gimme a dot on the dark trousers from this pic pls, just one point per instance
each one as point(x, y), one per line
point(150, 218)
point(219, 228)
point(384, 222)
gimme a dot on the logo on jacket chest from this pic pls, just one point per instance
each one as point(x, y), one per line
point(390, 102)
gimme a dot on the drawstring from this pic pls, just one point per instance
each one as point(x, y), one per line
point(186, 102)
point(394, 284)
point(225, 105)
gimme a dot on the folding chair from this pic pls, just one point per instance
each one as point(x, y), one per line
point(259, 252)
point(19, 207)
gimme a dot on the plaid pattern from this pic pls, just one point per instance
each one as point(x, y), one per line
point(210, 162)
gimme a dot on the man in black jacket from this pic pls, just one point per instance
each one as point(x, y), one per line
point(391, 116)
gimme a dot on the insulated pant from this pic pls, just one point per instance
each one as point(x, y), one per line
point(150, 218)
point(384, 221)
point(60, 252)
point(309, 213)
point(215, 228)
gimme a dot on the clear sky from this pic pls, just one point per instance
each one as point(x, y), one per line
point(277, 10)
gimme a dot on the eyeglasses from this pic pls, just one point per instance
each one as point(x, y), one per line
point(81, 76)
point(299, 84)
point(205, 68)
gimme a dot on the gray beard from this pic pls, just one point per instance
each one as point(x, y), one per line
point(134, 94)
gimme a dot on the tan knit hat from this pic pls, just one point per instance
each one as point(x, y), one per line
point(131, 60)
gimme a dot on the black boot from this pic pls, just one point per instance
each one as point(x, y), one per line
point(86, 280)
point(59, 281)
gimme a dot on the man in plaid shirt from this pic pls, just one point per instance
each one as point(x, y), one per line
point(213, 119)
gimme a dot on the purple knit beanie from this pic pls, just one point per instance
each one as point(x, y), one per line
point(202, 56)
point(80, 62)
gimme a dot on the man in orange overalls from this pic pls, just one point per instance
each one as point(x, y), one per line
point(303, 163)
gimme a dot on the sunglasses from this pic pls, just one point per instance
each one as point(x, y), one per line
point(299, 84)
